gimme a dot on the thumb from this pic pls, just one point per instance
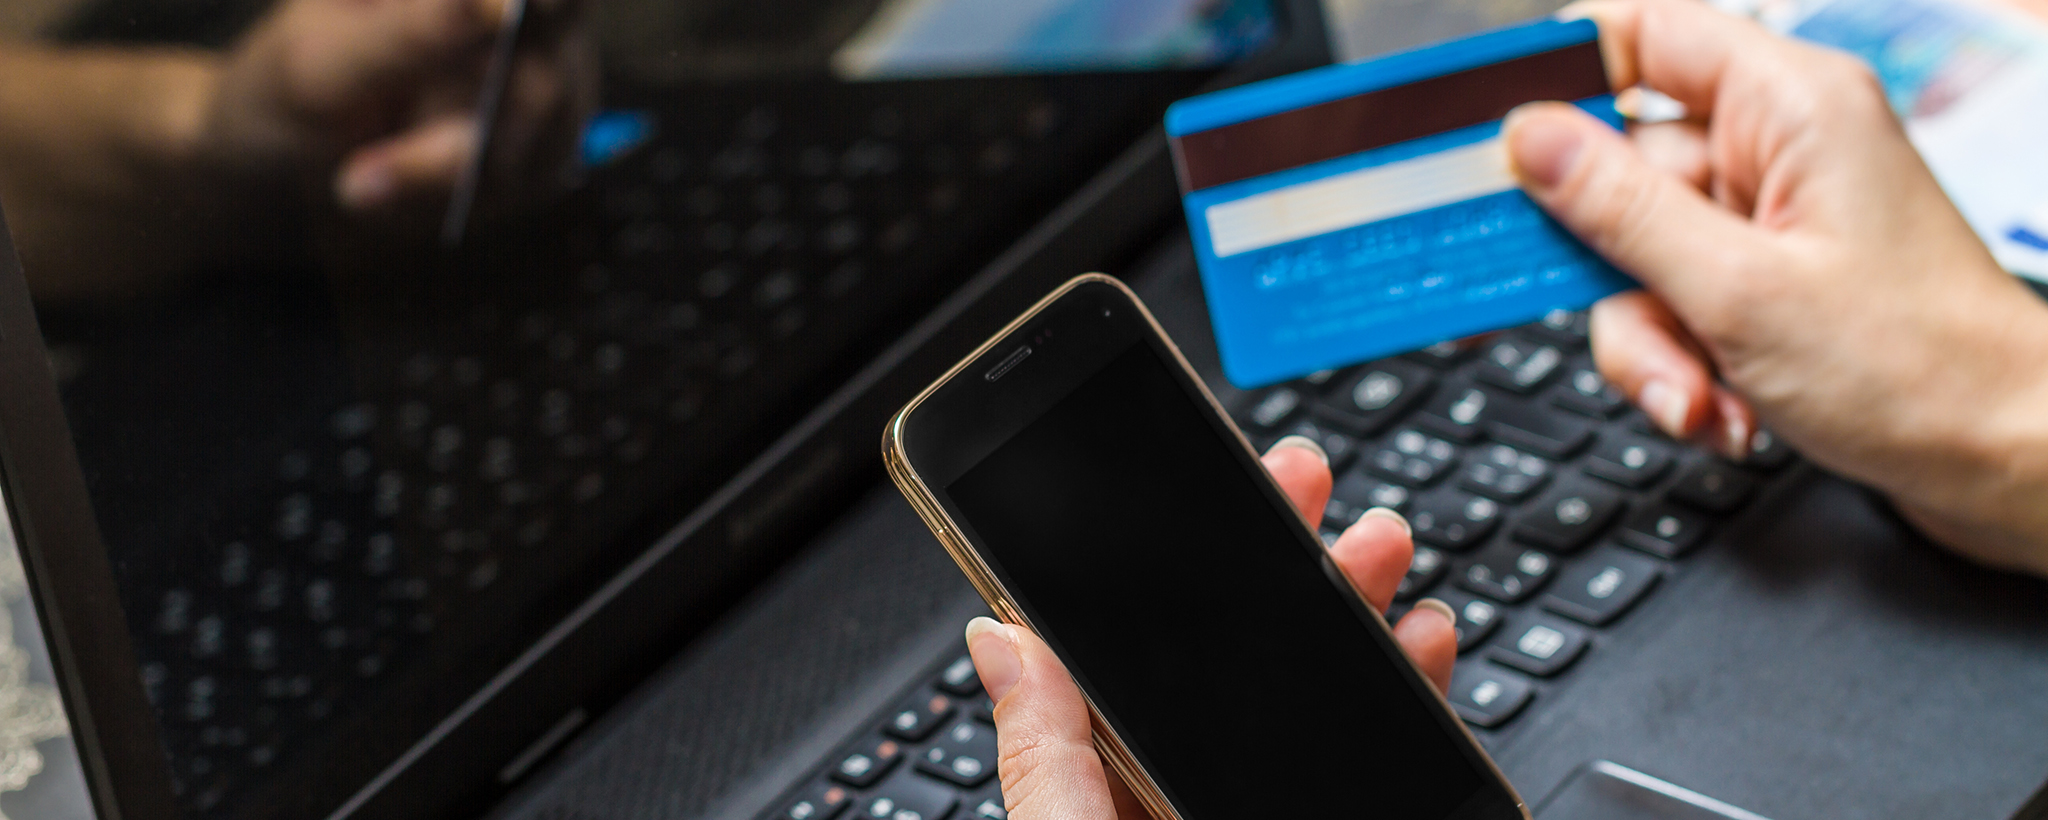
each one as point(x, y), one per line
point(1044, 740)
point(1648, 222)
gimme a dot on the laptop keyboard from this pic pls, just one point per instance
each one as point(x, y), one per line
point(1545, 508)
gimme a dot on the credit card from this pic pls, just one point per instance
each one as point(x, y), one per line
point(1355, 211)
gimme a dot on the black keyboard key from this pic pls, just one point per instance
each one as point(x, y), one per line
point(1585, 392)
point(1357, 492)
point(917, 717)
point(1452, 519)
point(1631, 461)
point(1424, 570)
point(960, 678)
point(1486, 695)
point(1540, 645)
point(1278, 405)
point(1338, 446)
point(1412, 458)
point(984, 807)
point(1504, 473)
point(1507, 572)
point(1367, 400)
point(1442, 355)
point(1664, 530)
point(1519, 364)
point(1605, 584)
point(1570, 328)
point(867, 761)
point(1568, 516)
point(1532, 427)
point(964, 755)
point(908, 796)
point(1477, 617)
point(1767, 452)
point(822, 801)
point(1458, 411)
point(1712, 485)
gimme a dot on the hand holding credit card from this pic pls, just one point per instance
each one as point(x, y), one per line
point(1355, 211)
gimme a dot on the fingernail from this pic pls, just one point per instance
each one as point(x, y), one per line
point(1735, 438)
point(365, 186)
point(1440, 608)
point(1305, 443)
point(1390, 515)
point(1666, 406)
point(995, 656)
point(1543, 145)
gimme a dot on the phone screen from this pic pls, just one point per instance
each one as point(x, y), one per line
point(1204, 623)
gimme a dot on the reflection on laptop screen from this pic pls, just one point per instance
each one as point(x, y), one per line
point(347, 479)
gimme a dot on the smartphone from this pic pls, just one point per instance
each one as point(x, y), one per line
point(1092, 490)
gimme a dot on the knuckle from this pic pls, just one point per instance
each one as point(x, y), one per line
point(1026, 759)
point(1618, 206)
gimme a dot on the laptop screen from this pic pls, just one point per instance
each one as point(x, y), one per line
point(345, 476)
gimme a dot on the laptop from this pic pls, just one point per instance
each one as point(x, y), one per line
point(1750, 638)
point(374, 530)
point(1804, 656)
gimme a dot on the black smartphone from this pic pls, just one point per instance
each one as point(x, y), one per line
point(1093, 491)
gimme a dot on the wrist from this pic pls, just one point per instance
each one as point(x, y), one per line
point(2000, 512)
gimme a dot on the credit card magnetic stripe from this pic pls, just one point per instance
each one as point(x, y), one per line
point(1291, 139)
point(1336, 110)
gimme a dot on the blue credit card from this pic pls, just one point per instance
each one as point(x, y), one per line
point(1356, 211)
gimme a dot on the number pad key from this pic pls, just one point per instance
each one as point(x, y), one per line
point(1568, 516)
point(1504, 473)
point(1458, 411)
point(1412, 458)
point(1508, 572)
point(1599, 588)
point(1374, 396)
point(1767, 452)
point(1338, 446)
point(1630, 461)
point(1453, 520)
point(1585, 392)
point(1486, 695)
point(1424, 570)
point(1358, 492)
point(1275, 407)
point(1520, 365)
point(1477, 617)
point(1541, 646)
point(1664, 530)
point(1713, 486)
point(965, 755)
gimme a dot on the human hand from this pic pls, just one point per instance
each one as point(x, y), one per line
point(1046, 755)
point(1803, 270)
point(376, 100)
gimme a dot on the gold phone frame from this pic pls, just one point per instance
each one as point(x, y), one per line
point(1108, 744)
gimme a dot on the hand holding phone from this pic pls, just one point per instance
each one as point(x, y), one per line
point(1090, 488)
point(1041, 710)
